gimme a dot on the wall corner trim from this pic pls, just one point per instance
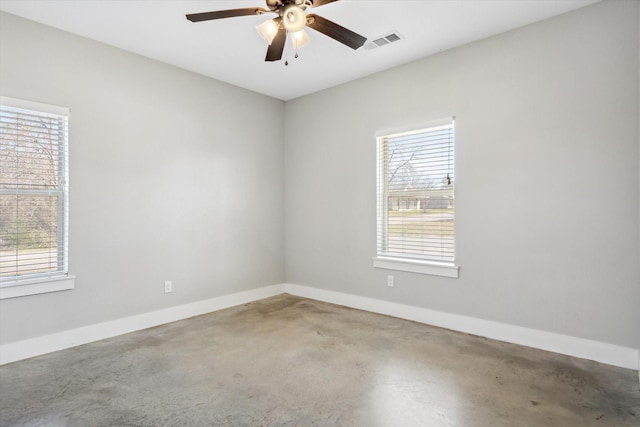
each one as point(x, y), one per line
point(610, 354)
point(20, 350)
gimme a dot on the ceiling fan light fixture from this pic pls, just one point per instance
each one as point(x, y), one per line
point(269, 29)
point(291, 19)
point(294, 18)
point(300, 39)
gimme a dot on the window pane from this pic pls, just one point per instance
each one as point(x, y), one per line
point(29, 151)
point(420, 161)
point(29, 234)
point(422, 226)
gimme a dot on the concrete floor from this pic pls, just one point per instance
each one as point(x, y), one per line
point(292, 361)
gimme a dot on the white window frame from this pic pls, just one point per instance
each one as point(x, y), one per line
point(403, 262)
point(38, 283)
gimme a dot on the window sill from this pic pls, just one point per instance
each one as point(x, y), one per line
point(21, 288)
point(414, 266)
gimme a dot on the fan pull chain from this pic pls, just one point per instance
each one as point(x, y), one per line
point(286, 58)
point(286, 61)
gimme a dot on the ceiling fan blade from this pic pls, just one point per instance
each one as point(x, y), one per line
point(318, 3)
point(335, 31)
point(274, 53)
point(219, 14)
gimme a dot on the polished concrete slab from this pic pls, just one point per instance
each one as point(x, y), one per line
point(289, 361)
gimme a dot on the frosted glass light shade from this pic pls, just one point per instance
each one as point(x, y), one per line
point(268, 30)
point(300, 39)
point(294, 18)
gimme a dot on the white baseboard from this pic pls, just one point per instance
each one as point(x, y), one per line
point(611, 354)
point(20, 350)
point(578, 347)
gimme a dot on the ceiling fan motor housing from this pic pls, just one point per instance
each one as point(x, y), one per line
point(275, 5)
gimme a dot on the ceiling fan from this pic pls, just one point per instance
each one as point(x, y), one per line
point(291, 19)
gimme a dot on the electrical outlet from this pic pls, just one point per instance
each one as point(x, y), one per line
point(168, 287)
point(390, 281)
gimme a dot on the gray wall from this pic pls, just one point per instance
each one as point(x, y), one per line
point(169, 182)
point(173, 176)
point(547, 177)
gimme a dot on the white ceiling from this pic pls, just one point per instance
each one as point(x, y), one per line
point(232, 51)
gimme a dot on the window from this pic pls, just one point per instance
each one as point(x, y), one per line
point(416, 203)
point(33, 198)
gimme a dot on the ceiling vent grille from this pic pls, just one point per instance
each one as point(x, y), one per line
point(383, 41)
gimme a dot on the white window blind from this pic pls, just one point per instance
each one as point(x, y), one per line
point(416, 180)
point(33, 190)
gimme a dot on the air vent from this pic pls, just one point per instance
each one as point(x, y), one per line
point(393, 37)
point(383, 41)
